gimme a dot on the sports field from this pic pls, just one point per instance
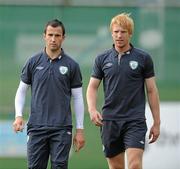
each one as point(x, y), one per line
point(87, 35)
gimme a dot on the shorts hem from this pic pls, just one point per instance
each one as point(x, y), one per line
point(114, 154)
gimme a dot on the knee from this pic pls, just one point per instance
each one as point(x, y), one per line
point(135, 165)
point(37, 166)
point(59, 165)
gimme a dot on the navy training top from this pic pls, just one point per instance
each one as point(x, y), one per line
point(51, 82)
point(123, 82)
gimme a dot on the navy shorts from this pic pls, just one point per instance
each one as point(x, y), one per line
point(117, 136)
point(54, 143)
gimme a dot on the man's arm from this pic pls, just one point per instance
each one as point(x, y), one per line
point(153, 99)
point(20, 97)
point(78, 139)
point(91, 95)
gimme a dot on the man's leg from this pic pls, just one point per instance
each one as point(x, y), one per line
point(113, 145)
point(134, 158)
point(134, 140)
point(116, 162)
point(60, 144)
point(37, 151)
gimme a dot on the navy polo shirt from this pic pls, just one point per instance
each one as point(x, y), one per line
point(51, 82)
point(123, 82)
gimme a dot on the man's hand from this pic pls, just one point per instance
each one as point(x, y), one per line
point(18, 124)
point(154, 133)
point(96, 118)
point(79, 140)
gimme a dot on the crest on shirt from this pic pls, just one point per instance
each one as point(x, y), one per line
point(63, 70)
point(133, 64)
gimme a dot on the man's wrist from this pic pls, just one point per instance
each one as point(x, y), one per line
point(79, 131)
point(18, 116)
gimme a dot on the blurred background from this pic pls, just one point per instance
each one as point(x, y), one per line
point(87, 34)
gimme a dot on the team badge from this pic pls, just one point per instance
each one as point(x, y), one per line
point(63, 70)
point(133, 65)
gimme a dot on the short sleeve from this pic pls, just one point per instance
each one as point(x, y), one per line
point(26, 74)
point(149, 67)
point(97, 68)
point(76, 77)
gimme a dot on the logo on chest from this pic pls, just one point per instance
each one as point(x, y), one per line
point(63, 70)
point(39, 67)
point(133, 64)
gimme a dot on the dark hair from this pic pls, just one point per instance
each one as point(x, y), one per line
point(55, 23)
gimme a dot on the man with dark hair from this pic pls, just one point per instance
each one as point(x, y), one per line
point(55, 23)
point(54, 78)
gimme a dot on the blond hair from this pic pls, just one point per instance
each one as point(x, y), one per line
point(125, 21)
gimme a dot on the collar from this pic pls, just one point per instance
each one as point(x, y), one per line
point(116, 53)
point(59, 57)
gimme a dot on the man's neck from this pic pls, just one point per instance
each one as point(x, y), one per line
point(123, 49)
point(53, 54)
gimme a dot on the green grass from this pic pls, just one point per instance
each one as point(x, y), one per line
point(170, 92)
point(13, 163)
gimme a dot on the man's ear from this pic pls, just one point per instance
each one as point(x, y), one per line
point(64, 36)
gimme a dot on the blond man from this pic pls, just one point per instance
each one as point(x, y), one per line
point(126, 72)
